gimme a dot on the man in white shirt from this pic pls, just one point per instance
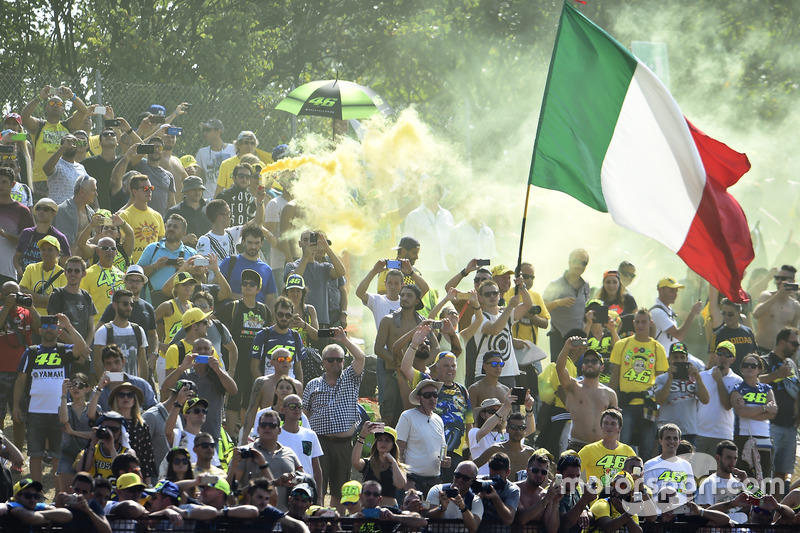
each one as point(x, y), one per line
point(663, 316)
point(210, 157)
point(431, 225)
point(303, 442)
point(669, 470)
point(720, 489)
point(715, 418)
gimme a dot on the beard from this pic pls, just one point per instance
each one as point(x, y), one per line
point(595, 372)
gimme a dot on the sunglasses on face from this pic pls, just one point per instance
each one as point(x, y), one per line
point(204, 445)
point(782, 278)
point(370, 493)
point(107, 248)
point(74, 270)
point(489, 294)
point(535, 471)
point(43, 208)
point(180, 461)
point(50, 326)
point(247, 142)
point(462, 477)
point(108, 134)
point(279, 314)
point(255, 284)
point(429, 395)
point(729, 314)
point(9, 158)
point(55, 103)
point(147, 188)
point(795, 344)
point(293, 405)
point(725, 354)
point(265, 425)
point(242, 175)
point(490, 412)
point(495, 364)
point(515, 427)
point(334, 359)
point(79, 385)
point(125, 394)
point(302, 496)
point(749, 365)
point(283, 359)
point(478, 281)
point(199, 411)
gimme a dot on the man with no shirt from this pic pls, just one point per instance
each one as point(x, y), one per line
point(776, 309)
point(587, 399)
point(489, 386)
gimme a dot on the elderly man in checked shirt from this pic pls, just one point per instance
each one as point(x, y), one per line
point(331, 405)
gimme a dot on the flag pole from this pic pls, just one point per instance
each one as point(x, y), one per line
point(522, 235)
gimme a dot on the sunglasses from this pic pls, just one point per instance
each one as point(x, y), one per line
point(147, 188)
point(516, 427)
point(279, 314)
point(293, 405)
point(247, 142)
point(50, 326)
point(591, 361)
point(370, 493)
point(283, 359)
point(265, 425)
point(204, 445)
point(198, 411)
point(250, 283)
point(782, 278)
point(729, 314)
point(725, 354)
point(9, 158)
point(462, 477)
point(179, 461)
point(489, 294)
point(74, 270)
point(43, 208)
point(242, 175)
point(349, 503)
point(478, 281)
point(795, 344)
point(79, 385)
point(490, 412)
point(429, 395)
point(302, 496)
point(535, 471)
point(126, 394)
point(749, 365)
point(55, 103)
point(108, 134)
point(334, 359)
point(107, 248)
point(495, 364)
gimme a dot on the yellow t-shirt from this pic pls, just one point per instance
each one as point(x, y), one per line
point(225, 176)
point(604, 464)
point(638, 363)
point(148, 226)
point(172, 355)
point(101, 283)
point(174, 322)
point(524, 330)
point(44, 145)
point(549, 382)
point(101, 465)
point(35, 278)
point(602, 508)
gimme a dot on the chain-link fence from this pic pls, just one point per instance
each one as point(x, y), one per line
point(238, 110)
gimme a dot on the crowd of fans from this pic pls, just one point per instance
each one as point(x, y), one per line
point(171, 354)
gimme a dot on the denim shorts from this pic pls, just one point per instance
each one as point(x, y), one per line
point(44, 430)
point(784, 447)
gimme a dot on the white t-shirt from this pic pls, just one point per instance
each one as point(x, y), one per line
point(477, 448)
point(424, 438)
point(673, 472)
point(125, 338)
point(452, 512)
point(184, 439)
point(381, 306)
point(61, 183)
point(210, 161)
point(432, 230)
point(272, 213)
point(714, 490)
point(304, 444)
point(501, 343)
point(712, 420)
point(222, 245)
point(663, 321)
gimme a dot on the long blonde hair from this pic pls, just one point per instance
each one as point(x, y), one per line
point(136, 413)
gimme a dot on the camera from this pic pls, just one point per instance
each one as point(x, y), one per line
point(102, 433)
point(486, 484)
point(172, 262)
point(393, 263)
point(325, 333)
point(144, 149)
point(175, 131)
point(451, 492)
point(535, 309)
point(437, 324)
point(681, 370)
point(578, 343)
point(70, 499)
point(312, 239)
point(790, 286)
point(483, 262)
point(100, 110)
point(113, 123)
point(246, 453)
point(24, 300)
point(201, 262)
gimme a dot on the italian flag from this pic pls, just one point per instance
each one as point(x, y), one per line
point(612, 136)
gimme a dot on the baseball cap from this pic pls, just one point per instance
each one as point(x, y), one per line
point(501, 270)
point(295, 281)
point(193, 182)
point(351, 491)
point(49, 239)
point(418, 292)
point(193, 316)
point(184, 277)
point(213, 124)
point(306, 489)
point(192, 402)
point(27, 482)
point(49, 202)
point(726, 345)
point(167, 488)
point(14, 116)
point(669, 282)
point(252, 275)
point(678, 347)
point(246, 134)
point(126, 481)
point(281, 151)
point(407, 243)
point(187, 161)
point(221, 484)
point(135, 270)
point(157, 109)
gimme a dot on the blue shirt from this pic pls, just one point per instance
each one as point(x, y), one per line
point(234, 277)
point(268, 340)
point(155, 251)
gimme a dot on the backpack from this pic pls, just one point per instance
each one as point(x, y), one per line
point(137, 331)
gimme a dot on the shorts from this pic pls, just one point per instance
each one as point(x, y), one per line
point(784, 447)
point(44, 429)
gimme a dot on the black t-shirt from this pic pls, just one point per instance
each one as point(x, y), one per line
point(100, 169)
point(79, 308)
point(741, 337)
point(242, 204)
point(784, 400)
point(244, 323)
